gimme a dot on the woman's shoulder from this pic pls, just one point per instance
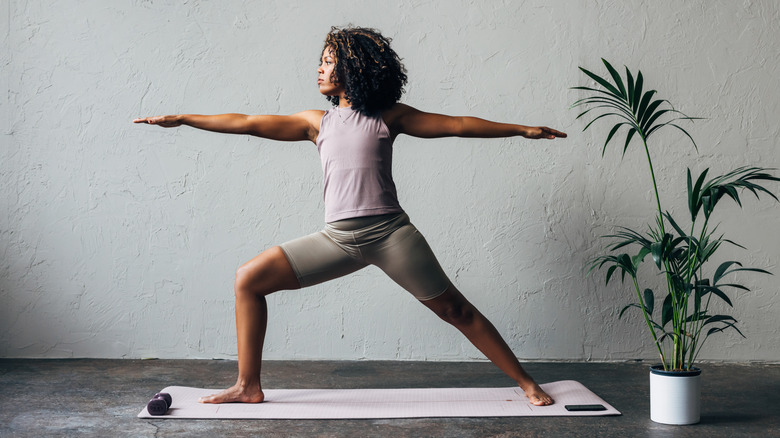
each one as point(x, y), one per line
point(312, 114)
point(312, 117)
point(395, 112)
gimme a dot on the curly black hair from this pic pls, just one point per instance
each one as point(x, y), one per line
point(371, 72)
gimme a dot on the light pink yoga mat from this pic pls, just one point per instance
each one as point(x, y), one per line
point(385, 403)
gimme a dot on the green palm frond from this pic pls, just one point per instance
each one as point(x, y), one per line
point(704, 196)
point(628, 101)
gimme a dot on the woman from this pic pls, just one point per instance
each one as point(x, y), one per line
point(363, 78)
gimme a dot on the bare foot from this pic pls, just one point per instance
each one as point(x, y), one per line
point(537, 396)
point(236, 394)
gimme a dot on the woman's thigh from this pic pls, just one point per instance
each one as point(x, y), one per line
point(406, 257)
point(316, 258)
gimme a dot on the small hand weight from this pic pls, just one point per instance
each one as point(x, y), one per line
point(165, 396)
point(159, 404)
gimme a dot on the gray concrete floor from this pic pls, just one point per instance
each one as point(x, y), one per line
point(102, 398)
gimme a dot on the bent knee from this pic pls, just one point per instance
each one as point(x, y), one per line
point(245, 277)
point(265, 274)
point(457, 314)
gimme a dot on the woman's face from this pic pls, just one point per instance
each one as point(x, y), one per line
point(325, 70)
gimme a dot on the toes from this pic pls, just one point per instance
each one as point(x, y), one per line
point(217, 398)
point(538, 400)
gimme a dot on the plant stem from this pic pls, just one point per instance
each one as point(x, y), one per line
point(696, 346)
point(655, 186)
point(669, 282)
point(682, 326)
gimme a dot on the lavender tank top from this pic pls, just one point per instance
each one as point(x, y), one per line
point(356, 151)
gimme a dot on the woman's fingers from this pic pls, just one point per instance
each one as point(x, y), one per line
point(164, 121)
point(150, 120)
point(544, 132)
point(552, 133)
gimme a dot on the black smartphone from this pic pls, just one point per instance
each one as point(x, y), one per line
point(585, 408)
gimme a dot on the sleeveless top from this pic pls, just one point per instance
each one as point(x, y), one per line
point(356, 151)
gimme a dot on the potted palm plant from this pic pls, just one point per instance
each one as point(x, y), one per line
point(681, 317)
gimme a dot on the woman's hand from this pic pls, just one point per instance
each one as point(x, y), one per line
point(164, 121)
point(535, 132)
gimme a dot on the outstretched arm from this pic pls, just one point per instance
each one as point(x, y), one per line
point(300, 126)
point(403, 119)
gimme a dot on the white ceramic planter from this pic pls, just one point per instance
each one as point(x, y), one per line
point(675, 397)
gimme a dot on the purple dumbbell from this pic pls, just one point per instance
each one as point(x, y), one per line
point(159, 404)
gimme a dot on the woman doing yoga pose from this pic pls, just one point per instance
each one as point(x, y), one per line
point(363, 78)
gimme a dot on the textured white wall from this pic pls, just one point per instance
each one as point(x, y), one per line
point(121, 240)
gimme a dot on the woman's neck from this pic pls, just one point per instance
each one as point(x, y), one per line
point(343, 101)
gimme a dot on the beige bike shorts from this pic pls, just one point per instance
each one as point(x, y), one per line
point(389, 242)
